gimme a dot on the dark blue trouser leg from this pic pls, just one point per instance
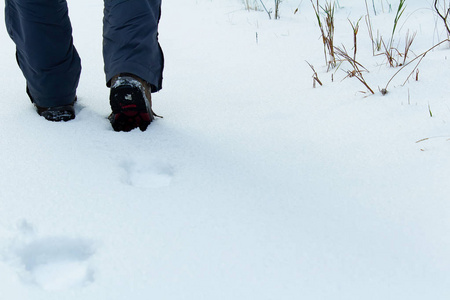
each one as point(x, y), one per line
point(42, 33)
point(130, 40)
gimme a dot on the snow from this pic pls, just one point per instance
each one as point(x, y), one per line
point(254, 185)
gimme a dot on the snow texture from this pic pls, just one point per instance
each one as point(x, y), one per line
point(255, 185)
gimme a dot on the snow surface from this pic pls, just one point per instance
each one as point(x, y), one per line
point(255, 185)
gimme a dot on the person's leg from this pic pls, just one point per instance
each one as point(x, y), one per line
point(130, 40)
point(133, 60)
point(45, 53)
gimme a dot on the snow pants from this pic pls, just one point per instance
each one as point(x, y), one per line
point(42, 32)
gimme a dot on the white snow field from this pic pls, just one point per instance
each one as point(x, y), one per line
point(254, 185)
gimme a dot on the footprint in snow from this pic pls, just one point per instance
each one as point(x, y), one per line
point(147, 175)
point(56, 263)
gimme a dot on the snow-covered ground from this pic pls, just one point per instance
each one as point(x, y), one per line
point(255, 185)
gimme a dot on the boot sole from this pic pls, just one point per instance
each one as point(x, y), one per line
point(58, 113)
point(130, 111)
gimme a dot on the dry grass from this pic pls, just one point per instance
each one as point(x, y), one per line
point(355, 27)
point(420, 57)
point(443, 12)
point(315, 76)
point(326, 30)
point(356, 70)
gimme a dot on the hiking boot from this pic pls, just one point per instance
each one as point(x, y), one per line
point(57, 113)
point(131, 103)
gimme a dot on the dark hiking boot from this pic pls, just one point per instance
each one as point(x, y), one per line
point(131, 103)
point(57, 113)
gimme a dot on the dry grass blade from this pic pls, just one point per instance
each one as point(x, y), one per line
point(356, 72)
point(444, 16)
point(277, 9)
point(326, 30)
point(319, 22)
point(329, 19)
point(420, 57)
point(355, 27)
point(408, 42)
point(315, 76)
point(389, 55)
point(265, 8)
point(369, 27)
